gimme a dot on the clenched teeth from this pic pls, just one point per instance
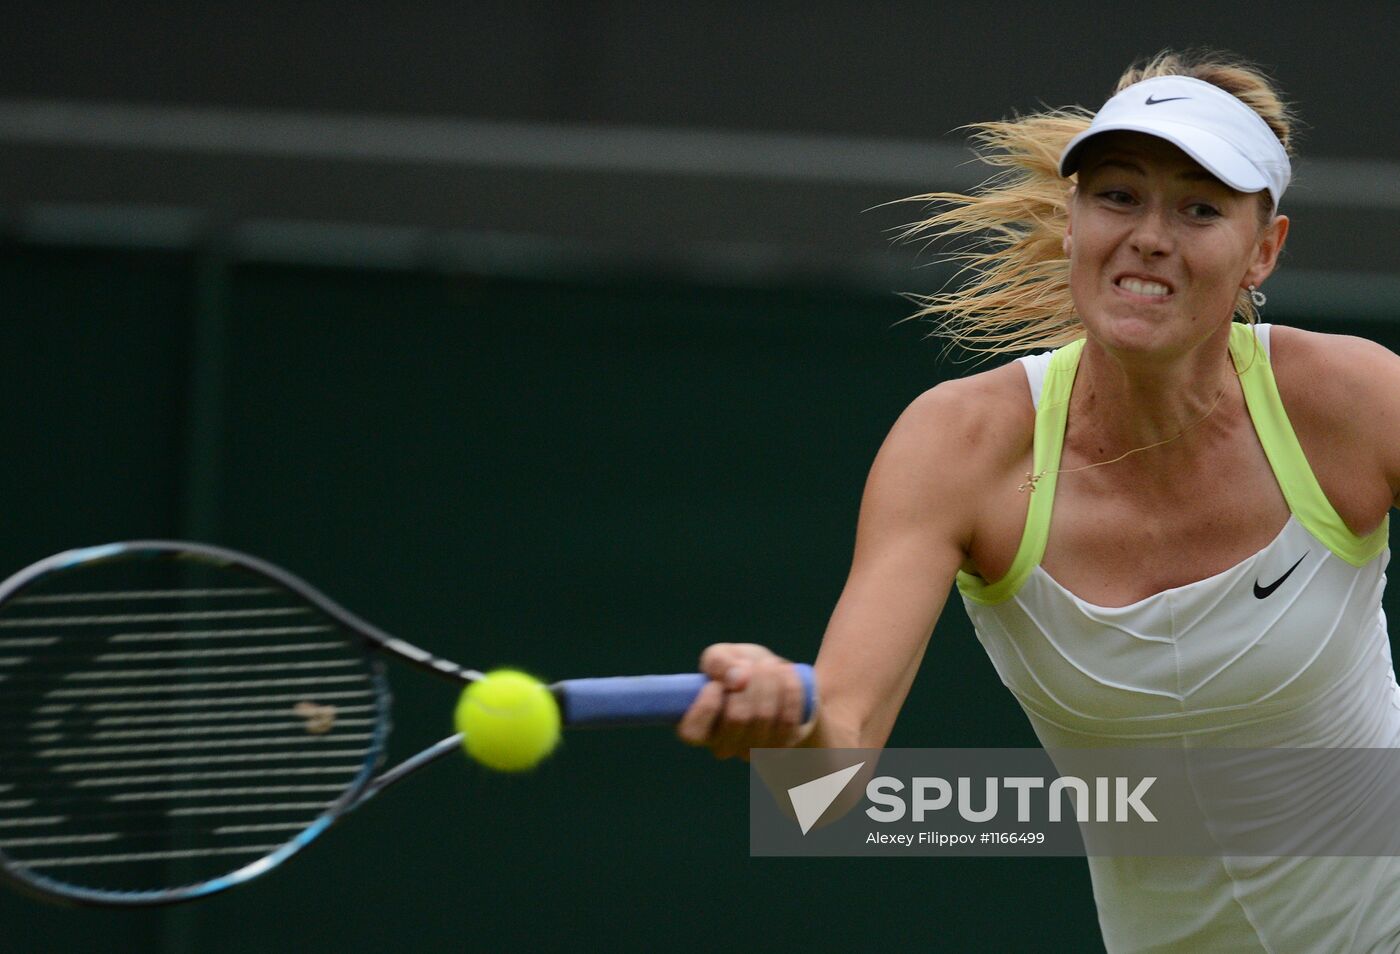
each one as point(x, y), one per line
point(1139, 287)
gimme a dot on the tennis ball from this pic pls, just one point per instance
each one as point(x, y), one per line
point(509, 720)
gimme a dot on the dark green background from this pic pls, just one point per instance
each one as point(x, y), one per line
point(581, 478)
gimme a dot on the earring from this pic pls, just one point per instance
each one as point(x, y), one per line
point(1258, 297)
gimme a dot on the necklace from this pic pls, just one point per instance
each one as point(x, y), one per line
point(1033, 479)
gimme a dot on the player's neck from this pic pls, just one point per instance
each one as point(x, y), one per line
point(1121, 401)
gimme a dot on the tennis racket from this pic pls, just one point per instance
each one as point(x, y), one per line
point(180, 718)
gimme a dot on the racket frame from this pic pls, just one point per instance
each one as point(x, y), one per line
point(363, 787)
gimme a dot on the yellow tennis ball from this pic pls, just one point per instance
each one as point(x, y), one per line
point(509, 720)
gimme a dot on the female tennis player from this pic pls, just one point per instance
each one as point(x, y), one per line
point(1171, 530)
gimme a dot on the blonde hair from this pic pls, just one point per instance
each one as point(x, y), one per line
point(1009, 231)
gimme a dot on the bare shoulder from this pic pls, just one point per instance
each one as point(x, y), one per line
point(1317, 350)
point(956, 439)
point(1342, 394)
point(1325, 375)
point(983, 417)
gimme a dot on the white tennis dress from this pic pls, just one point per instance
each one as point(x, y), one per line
point(1212, 664)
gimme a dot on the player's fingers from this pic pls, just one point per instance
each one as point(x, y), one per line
point(732, 663)
point(715, 658)
point(755, 664)
point(751, 716)
point(740, 724)
point(780, 709)
point(697, 725)
point(732, 726)
point(726, 663)
point(766, 691)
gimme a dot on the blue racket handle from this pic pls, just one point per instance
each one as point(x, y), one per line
point(647, 700)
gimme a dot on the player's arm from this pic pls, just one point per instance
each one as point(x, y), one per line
point(915, 528)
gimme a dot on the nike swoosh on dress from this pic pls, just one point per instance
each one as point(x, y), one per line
point(1263, 592)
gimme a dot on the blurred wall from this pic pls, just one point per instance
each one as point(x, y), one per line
point(702, 139)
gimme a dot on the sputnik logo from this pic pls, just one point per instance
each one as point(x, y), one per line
point(812, 798)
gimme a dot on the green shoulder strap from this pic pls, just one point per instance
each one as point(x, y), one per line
point(1050, 415)
point(1300, 487)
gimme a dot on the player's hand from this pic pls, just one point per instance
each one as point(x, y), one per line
point(754, 700)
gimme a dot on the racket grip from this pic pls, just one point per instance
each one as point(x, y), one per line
point(647, 700)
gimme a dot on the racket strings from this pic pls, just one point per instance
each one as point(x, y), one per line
point(166, 722)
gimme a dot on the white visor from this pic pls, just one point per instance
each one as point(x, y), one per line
point(1230, 140)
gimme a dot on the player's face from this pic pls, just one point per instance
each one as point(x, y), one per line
point(1159, 248)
